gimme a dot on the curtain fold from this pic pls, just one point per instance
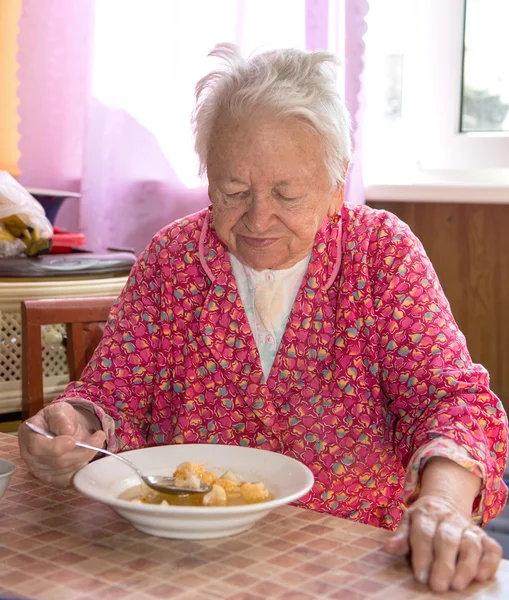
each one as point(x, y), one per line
point(325, 19)
point(55, 38)
point(355, 29)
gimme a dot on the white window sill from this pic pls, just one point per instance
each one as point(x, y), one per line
point(487, 186)
point(442, 193)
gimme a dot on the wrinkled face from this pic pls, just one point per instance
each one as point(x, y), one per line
point(269, 189)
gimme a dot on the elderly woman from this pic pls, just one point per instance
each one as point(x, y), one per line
point(284, 319)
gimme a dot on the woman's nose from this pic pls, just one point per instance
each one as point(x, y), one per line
point(260, 214)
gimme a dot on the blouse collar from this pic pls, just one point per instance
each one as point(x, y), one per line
point(323, 266)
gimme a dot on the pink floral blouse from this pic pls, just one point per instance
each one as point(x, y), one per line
point(372, 376)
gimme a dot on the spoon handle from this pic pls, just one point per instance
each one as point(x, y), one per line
point(50, 436)
point(124, 460)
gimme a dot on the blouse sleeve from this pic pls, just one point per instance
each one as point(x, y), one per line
point(446, 448)
point(432, 388)
point(117, 384)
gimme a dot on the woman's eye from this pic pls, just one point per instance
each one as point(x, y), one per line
point(287, 198)
point(243, 194)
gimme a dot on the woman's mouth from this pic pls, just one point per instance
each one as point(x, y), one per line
point(256, 242)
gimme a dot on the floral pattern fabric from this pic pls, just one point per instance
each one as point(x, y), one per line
point(370, 373)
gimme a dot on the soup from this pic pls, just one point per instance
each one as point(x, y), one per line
point(226, 490)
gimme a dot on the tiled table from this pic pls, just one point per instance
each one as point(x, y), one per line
point(58, 545)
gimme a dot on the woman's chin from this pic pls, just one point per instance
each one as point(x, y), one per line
point(262, 260)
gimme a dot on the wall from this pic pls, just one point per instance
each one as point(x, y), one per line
point(469, 247)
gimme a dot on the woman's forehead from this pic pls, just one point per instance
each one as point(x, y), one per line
point(280, 153)
point(238, 174)
point(274, 134)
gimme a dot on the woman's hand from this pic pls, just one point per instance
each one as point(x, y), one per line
point(55, 461)
point(447, 550)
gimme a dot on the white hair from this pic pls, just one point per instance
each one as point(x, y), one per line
point(289, 82)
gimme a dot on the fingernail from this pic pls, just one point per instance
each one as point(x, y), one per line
point(422, 576)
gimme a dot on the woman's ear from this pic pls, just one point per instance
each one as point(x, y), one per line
point(338, 195)
point(337, 199)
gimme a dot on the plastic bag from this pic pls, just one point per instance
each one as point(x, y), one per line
point(24, 227)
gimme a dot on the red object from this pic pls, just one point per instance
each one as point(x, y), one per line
point(65, 241)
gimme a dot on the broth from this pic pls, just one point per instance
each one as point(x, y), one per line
point(227, 490)
point(143, 494)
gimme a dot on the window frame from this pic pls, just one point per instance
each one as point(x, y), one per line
point(443, 145)
point(433, 152)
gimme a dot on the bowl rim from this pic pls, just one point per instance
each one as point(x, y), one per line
point(162, 509)
point(11, 467)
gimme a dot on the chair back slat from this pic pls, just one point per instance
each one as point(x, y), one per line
point(32, 396)
point(82, 317)
point(75, 350)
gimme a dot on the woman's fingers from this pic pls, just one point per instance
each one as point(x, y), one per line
point(60, 455)
point(57, 448)
point(446, 545)
point(423, 527)
point(60, 419)
point(447, 550)
point(398, 544)
point(56, 460)
point(56, 419)
point(469, 558)
point(59, 471)
point(490, 560)
point(97, 439)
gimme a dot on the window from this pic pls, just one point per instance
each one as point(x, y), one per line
point(485, 93)
point(437, 92)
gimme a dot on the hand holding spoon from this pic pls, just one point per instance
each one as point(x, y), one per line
point(160, 483)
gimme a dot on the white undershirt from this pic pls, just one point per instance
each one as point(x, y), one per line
point(268, 297)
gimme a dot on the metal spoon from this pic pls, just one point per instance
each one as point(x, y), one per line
point(159, 483)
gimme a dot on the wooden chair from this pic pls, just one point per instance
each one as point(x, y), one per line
point(84, 319)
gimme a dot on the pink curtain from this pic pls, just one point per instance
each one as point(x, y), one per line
point(355, 28)
point(55, 42)
point(350, 45)
point(105, 98)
